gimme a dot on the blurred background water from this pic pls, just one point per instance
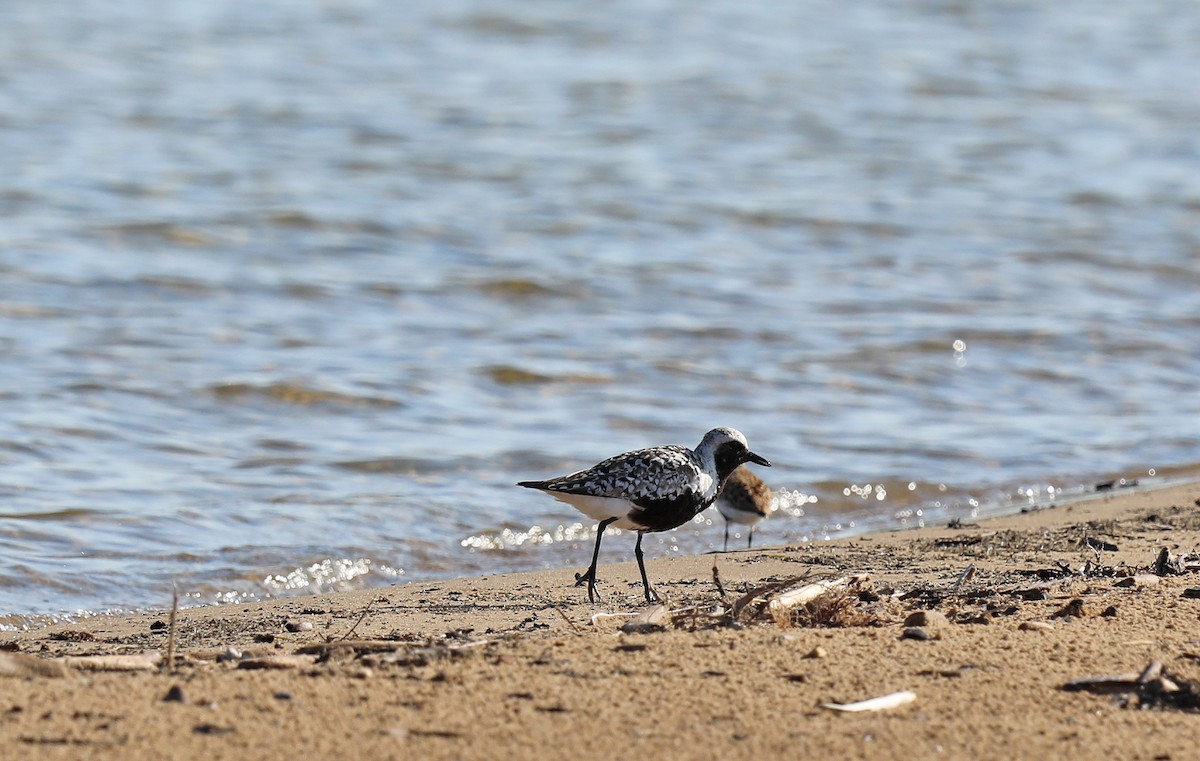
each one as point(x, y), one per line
point(291, 293)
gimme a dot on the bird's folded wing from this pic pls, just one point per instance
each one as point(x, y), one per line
point(661, 472)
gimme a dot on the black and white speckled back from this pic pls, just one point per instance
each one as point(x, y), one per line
point(641, 476)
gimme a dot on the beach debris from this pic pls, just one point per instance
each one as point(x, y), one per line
point(213, 729)
point(72, 635)
point(1104, 683)
point(1100, 544)
point(1073, 609)
point(817, 652)
point(967, 574)
point(1192, 593)
point(298, 626)
point(574, 627)
point(171, 626)
point(785, 602)
point(881, 703)
point(650, 620)
point(1036, 626)
point(23, 666)
point(598, 617)
point(917, 633)
point(1139, 580)
point(144, 661)
point(175, 695)
point(1167, 564)
point(283, 695)
point(829, 602)
point(1034, 593)
point(1109, 612)
point(1152, 687)
point(158, 626)
point(363, 615)
point(277, 662)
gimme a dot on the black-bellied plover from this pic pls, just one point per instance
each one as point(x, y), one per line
point(745, 500)
point(649, 490)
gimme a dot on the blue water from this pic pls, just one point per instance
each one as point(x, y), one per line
point(292, 294)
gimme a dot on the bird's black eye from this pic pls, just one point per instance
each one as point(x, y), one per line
point(728, 457)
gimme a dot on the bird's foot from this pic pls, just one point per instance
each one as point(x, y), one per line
point(588, 577)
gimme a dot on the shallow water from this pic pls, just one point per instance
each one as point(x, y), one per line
point(291, 296)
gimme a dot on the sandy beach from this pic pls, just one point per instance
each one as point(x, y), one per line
point(986, 625)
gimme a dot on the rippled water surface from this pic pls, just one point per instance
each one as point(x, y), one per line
point(291, 294)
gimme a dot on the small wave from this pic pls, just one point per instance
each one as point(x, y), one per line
point(66, 514)
point(407, 466)
point(510, 375)
point(518, 288)
point(157, 233)
point(291, 393)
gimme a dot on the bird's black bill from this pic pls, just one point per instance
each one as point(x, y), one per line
point(758, 459)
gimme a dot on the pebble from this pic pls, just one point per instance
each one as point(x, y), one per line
point(817, 652)
point(1192, 593)
point(1036, 626)
point(917, 633)
point(230, 654)
point(927, 618)
point(298, 626)
point(1073, 609)
point(175, 695)
point(158, 626)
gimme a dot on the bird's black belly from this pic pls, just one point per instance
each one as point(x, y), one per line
point(667, 513)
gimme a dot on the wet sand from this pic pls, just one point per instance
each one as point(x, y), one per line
point(513, 666)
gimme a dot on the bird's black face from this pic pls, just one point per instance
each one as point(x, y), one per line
point(731, 454)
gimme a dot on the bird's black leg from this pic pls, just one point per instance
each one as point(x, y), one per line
point(590, 575)
point(637, 552)
point(726, 537)
point(750, 539)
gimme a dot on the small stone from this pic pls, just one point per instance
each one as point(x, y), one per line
point(230, 654)
point(1073, 609)
point(158, 626)
point(817, 652)
point(264, 637)
point(283, 695)
point(1036, 626)
point(1110, 612)
point(927, 618)
point(298, 626)
point(917, 633)
point(175, 695)
point(1192, 593)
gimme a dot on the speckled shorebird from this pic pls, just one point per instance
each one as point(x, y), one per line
point(745, 500)
point(649, 490)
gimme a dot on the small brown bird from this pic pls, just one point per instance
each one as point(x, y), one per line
point(745, 500)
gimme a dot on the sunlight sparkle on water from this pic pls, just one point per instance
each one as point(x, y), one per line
point(327, 573)
point(535, 535)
